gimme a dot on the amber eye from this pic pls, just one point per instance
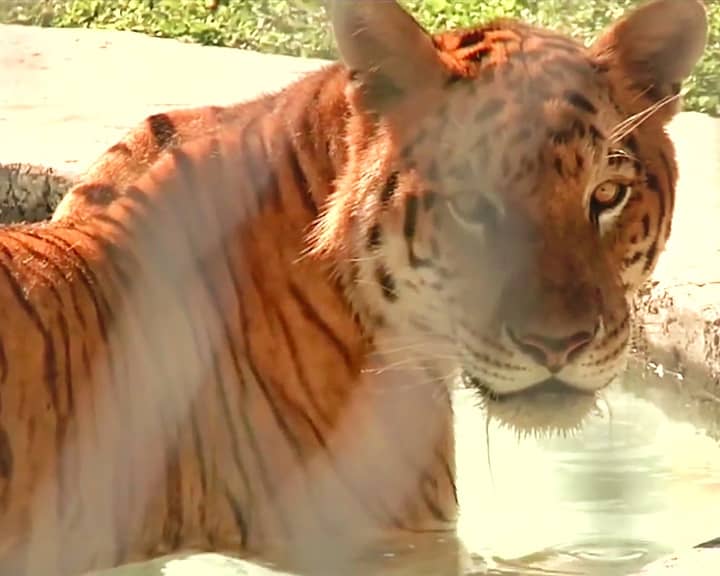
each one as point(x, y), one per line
point(606, 197)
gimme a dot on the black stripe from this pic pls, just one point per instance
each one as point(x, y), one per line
point(410, 223)
point(633, 259)
point(264, 386)
point(62, 421)
point(277, 414)
point(172, 525)
point(162, 129)
point(256, 168)
point(200, 455)
point(136, 195)
point(240, 520)
point(579, 101)
point(89, 280)
point(646, 225)
point(451, 479)
point(60, 273)
point(388, 190)
point(301, 181)
point(387, 283)
point(374, 238)
point(88, 277)
point(217, 304)
point(311, 314)
point(670, 176)
point(428, 489)
point(453, 79)
point(650, 256)
point(183, 221)
point(302, 379)
point(6, 458)
point(7, 462)
point(654, 185)
point(96, 194)
point(3, 364)
point(409, 229)
point(471, 37)
point(49, 360)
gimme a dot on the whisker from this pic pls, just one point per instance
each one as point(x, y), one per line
point(632, 122)
point(620, 153)
point(405, 363)
point(359, 259)
point(487, 450)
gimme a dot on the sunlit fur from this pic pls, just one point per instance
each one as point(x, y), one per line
point(240, 327)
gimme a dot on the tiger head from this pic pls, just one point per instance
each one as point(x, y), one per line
point(506, 191)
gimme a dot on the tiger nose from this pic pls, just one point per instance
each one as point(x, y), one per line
point(552, 352)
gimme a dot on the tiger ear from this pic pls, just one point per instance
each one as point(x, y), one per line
point(388, 53)
point(656, 46)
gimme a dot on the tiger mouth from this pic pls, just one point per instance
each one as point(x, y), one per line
point(547, 389)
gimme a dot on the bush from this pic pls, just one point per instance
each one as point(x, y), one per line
point(299, 27)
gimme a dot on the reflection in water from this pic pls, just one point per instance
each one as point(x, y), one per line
point(629, 489)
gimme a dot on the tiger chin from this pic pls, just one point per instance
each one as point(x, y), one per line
point(241, 326)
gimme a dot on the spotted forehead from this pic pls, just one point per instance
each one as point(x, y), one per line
point(521, 98)
point(530, 65)
point(502, 40)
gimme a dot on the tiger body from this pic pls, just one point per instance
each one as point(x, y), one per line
point(238, 330)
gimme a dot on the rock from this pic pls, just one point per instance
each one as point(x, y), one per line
point(29, 193)
point(678, 367)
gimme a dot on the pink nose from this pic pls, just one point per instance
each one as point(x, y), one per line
point(552, 352)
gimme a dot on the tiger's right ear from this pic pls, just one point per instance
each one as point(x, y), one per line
point(387, 51)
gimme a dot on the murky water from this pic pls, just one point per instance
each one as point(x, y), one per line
point(631, 488)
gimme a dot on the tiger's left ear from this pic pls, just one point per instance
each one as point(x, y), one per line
point(655, 47)
point(387, 51)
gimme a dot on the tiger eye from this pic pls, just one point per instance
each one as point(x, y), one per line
point(609, 195)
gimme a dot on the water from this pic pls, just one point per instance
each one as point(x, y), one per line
point(628, 490)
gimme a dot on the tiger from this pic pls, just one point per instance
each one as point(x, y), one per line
point(240, 330)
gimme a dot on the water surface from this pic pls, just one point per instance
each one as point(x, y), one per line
point(632, 487)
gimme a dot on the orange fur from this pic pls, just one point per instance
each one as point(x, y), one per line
point(238, 330)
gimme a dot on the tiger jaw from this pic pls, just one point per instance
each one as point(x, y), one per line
point(549, 406)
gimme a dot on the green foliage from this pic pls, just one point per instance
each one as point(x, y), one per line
point(299, 27)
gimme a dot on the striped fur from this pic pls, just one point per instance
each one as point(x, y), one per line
point(239, 328)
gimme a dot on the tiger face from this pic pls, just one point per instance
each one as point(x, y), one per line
point(507, 191)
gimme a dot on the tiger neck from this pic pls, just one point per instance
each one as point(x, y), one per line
point(314, 112)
